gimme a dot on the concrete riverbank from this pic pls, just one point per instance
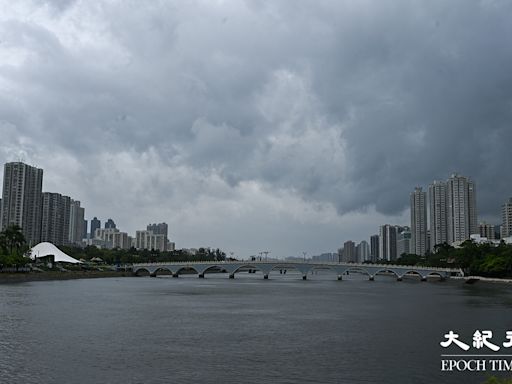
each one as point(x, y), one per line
point(476, 279)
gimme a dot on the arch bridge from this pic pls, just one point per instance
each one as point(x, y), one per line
point(265, 267)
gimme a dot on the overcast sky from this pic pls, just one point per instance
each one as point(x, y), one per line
point(256, 125)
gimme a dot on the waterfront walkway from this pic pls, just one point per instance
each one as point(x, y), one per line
point(265, 267)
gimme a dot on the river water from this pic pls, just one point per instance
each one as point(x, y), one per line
point(246, 330)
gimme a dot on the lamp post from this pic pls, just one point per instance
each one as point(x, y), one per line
point(266, 254)
point(304, 253)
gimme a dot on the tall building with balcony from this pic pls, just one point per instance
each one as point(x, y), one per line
point(110, 224)
point(76, 223)
point(84, 229)
point(438, 213)
point(418, 200)
point(453, 210)
point(506, 216)
point(21, 199)
point(111, 238)
point(149, 240)
point(461, 208)
point(158, 229)
point(374, 248)
point(387, 242)
point(55, 216)
point(363, 252)
point(404, 241)
point(487, 230)
point(95, 224)
point(349, 252)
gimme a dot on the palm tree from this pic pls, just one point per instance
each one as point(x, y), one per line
point(12, 238)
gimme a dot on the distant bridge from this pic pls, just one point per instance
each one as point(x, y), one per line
point(232, 267)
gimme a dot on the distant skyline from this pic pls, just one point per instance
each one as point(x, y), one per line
point(251, 125)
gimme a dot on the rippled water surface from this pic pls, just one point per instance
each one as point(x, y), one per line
point(246, 330)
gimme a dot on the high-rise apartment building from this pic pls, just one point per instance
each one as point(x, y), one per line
point(461, 208)
point(363, 252)
point(438, 213)
point(453, 210)
point(404, 244)
point(418, 222)
point(84, 229)
point(487, 230)
point(506, 216)
point(340, 255)
point(110, 224)
point(349, 252)
point(149, 240)
point(21, 199)
point(158, 229)
point(387, 242)
point(55, 217)
point(76, 223)
point(374, 248)
point(112, 238)
point(95, 224)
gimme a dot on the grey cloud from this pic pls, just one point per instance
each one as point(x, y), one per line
point(349, 104)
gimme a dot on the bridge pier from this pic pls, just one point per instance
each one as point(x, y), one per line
point(339, 277)
point(399, 278)
point(423, 278)
point(232, 276)
point(371, 278)
point(265, 277)
point(175, 275)
point(201, 275)
point(304, 277)
point(152, 274)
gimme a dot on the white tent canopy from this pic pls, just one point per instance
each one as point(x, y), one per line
point(48, 249)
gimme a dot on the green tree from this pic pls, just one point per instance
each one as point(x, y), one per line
point(12, 239)
point(12, 246)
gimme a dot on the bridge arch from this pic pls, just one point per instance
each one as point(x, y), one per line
point(413, 272)
point(216, 266)
point(358, 269)
point(343, 269)
point(387, 270)
point(185, 267)
point(302, 269)
point(434, 273)
point(136, 272)
point(324, 267)
point(251, 266)
point(161, 269)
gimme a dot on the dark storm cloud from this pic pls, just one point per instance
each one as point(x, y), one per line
point(345, 104)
